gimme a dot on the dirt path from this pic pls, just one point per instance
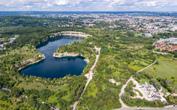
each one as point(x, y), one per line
point(89, 76)
point(124, 106)
point(147, 66)
point(122, 92)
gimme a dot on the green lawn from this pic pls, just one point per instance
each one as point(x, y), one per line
point(166, 68)
point(165, 72)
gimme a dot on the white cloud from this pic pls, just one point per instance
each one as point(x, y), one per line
point(147, 3)
point(61, 2)
point(118, 5)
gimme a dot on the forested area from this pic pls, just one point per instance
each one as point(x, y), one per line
point(123, 53)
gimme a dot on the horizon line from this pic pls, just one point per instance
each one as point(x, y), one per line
point(82, 11)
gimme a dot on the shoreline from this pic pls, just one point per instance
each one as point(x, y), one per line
point(32, 63)
point(71, 34)
point(63, 34)
point(71, 54)
point(66, 54)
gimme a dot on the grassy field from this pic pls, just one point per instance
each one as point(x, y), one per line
point(165, 73)
point(166, 68)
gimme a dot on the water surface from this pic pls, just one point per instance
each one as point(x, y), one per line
point(56, 67)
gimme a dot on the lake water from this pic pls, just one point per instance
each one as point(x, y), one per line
point(56, 67)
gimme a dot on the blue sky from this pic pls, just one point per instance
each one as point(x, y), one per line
point(88, 5)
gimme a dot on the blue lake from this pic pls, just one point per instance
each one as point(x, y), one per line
point(56, 67)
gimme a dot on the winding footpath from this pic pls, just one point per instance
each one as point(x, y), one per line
point(89, 76)
point(125, 85)
point(126, 107)
point(147, 66)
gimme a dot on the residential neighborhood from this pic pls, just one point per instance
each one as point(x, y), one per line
point(166, 45)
